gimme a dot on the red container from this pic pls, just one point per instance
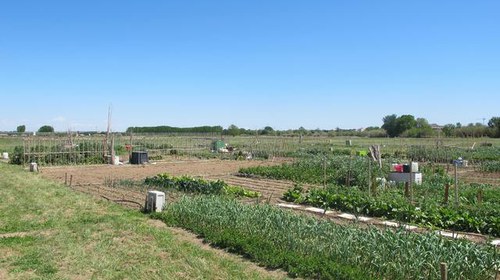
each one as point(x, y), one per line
point(399, 168)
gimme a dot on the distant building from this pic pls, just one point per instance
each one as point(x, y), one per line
point(436, 127)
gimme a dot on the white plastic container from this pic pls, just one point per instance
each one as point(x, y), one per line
point(33, 167)
point(414, 167)
point(155, 201)
point(5, 155)
point(393, 167)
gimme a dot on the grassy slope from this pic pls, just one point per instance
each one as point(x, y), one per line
point(49, 232)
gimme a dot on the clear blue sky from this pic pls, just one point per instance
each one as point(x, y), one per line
point(286, 64)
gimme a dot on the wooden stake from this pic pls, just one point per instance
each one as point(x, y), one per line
point(369, 176)
point(444, 271)
point(324, 172)
point(407, 190)
point(479, 196)
point(66, 178)
point(446, 193)
point(456, 186)
point(411, 184)
point(70, 180)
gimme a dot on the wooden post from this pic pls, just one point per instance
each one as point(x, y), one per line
point(348, 179)
point(407, 190)
point(446, 193)
point(369, 176)
point(66, 178)
point(411, 183)
point(113, 162)
point(70, 180)
point(444, 271)
point(324, 172)
point(456, 186)
point(480, 196)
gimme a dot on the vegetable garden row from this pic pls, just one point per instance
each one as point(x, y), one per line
point(311, 248)
point(431, 204)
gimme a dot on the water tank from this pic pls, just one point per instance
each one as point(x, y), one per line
point(139, 157)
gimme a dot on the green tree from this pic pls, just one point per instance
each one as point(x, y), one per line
point(267, 130)
point(46, 128)
point(405, 122)
point(494, 124)
point(395, 126)
point(421, 129)
point(390, 125)
point(233, 130)
point(21, 129)
point(449, 130)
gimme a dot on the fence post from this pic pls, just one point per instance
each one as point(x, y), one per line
point(407, 190)
point(70, 180)
point(369, 176)
point(480, 196)
point(444, 271)
point(456, 185)
point(66, 178)
point(446, 193)
point(411, 183)
point(324, 172)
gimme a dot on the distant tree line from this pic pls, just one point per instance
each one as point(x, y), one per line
point(393, 126)
point(171, 129)
point(409, 126)
point(373, 131)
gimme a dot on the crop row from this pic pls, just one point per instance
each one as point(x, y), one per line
point(312, 248)
point(341, 170)
point(447, 154)
point(427, 208)
point(490, 166)
point(194, 185)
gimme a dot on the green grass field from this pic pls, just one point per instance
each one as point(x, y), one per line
point(50, 232)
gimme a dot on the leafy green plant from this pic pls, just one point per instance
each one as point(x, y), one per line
point(490, 166)
point(426, 209)
point(294, 194)
point(199, 186)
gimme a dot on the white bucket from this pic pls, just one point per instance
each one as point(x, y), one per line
point(5, 155)
point(414, 167)
point(393, 167)
point(117, 160)
point(33, 167)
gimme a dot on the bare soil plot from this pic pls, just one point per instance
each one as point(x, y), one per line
point(97, 174)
